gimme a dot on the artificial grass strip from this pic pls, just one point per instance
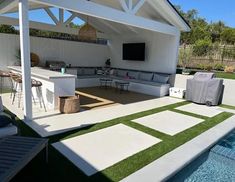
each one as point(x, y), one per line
point(190, 114)
point(227, 106)
point(61, 169)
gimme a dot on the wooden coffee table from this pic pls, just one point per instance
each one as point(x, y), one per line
point(122, 85)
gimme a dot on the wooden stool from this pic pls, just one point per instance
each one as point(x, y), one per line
point(3, 75)
point(38, 85)
point(17, 80)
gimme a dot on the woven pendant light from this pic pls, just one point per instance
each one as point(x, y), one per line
point(87, 32)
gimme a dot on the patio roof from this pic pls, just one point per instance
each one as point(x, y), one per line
point(160, 15)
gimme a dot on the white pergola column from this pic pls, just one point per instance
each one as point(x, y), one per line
point(25, 58)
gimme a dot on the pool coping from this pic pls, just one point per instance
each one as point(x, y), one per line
point(168, 165)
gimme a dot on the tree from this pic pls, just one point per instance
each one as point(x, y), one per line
point(228, 36)
point(216, 30)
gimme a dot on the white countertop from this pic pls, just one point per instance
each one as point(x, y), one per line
point(43, 73)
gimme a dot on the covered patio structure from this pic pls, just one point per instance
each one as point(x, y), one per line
point(156, 23)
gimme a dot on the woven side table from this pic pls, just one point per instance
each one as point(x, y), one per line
point(69, 104)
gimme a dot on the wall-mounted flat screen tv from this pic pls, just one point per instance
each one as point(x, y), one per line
point(133, 51)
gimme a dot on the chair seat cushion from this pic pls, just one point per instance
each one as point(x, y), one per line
point(8, 130)
point(4, 121)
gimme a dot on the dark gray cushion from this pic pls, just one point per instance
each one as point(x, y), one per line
point(4, 121)
point(133, 74)
point(160, 78)
point(89, 71)
point(121, 73)
point(80, 71)
point(146, 76)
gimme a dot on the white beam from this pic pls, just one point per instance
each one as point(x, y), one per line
point(25, 58)
point(61, 16)
point(70, 19)
point(6, 6)
point(130, 5)
point(52, 16)
point(44, 26)
point(124, 5)
point(104, 12)
point(138, 6)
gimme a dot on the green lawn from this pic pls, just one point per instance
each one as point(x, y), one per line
point(227, 106)
point(60, 169)
point(225, 75)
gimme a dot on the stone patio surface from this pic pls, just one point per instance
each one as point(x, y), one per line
point(168, 122)
point(200, 110)
point(98, 150)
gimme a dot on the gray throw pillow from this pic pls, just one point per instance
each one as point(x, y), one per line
point(146, 76)
point(160, 78)
point(121, 73)
point(133, 74)
point(4, 121)
point(89, 71)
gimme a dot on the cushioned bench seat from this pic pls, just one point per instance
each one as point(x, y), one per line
point(139, 81)
point(145, 87)
point(144, 82)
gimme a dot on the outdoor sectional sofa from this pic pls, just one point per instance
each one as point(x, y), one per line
point(151, 83)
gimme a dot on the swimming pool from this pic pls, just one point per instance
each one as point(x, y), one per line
point(218, 164)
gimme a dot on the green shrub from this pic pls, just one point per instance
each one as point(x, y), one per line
point(185, 55)
point(202, 47)
point(201, 66)
point(218, 66)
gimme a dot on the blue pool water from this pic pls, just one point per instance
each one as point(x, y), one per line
point(216, 165)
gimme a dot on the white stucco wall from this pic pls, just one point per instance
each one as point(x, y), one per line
point(75, 53)
point(229, 88)
point(161, 51)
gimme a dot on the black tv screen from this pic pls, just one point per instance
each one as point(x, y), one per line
point(133, 51)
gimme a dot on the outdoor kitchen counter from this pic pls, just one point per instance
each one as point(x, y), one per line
point(43, 73)
point(54, 84)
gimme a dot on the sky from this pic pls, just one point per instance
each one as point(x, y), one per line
point(42, 16)
point(211, 10)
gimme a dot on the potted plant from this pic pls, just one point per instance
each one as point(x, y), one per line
point(108, 63)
